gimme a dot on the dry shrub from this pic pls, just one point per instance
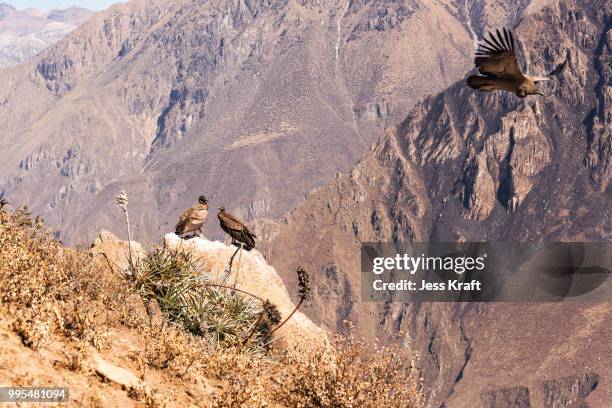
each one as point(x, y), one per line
point(150, 397)
point(350, 373)
point(171, 348)
point(243, 392)
point(51, 289)
point(77, 359)
point(33, 331)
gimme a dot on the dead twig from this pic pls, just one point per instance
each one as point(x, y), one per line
point(264, 310)
point(228, 269)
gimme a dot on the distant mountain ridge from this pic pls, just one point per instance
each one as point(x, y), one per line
point(25, 33)
point(251, 103)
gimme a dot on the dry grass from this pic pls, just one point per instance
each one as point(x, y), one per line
point(48, 288)
point(50, 292)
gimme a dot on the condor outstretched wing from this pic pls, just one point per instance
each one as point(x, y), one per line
point(495, 56)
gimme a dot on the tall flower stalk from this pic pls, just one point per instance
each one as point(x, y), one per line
point(122, 202)
point(304, 289)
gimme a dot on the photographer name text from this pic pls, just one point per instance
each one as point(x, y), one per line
point(453, 285)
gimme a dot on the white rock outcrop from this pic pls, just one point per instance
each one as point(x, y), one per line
point(251, 272)
point(115, 251)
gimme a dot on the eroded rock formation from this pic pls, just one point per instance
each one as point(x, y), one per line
point(470, 167)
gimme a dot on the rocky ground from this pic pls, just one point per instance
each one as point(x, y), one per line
point(101, 379)
point(114, 374)
point(174, 327)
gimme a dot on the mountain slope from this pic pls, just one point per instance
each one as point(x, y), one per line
point(469, 167)
point(74, 319)
point(24, 34)
point(251, 103)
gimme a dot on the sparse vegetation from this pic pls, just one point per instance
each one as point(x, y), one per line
point(48, 288)
point(52, 292)
point(188, 295)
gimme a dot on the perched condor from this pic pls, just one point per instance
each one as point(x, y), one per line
point(193, 219)
point(236, 229)
point(496, 61)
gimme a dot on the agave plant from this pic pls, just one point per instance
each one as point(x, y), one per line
point(187, 295)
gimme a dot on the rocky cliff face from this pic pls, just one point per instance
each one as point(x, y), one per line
point(468, 167)
point(24, 34)
point(251, 103)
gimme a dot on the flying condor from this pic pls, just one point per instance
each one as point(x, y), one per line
point(496, 61)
